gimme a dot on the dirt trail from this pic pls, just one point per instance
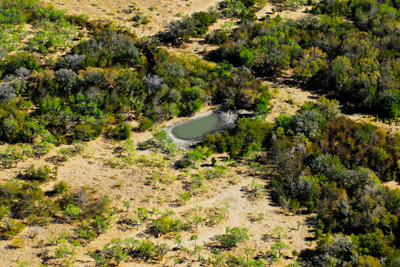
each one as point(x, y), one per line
point(239, 208)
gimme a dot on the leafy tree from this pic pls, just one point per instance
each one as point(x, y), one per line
point(121, 132)
point(72, 211)
point(66, 253)
point(280, 246)
point(41, 174)
point(146, 249)
point(280, 232)
point(178, 240)
point(197, 251)
point(194, 238)
point(233, 236)
point(165, 224)
point(270, 257)
point(142, 214)
point(312, 62)
point(198, 220)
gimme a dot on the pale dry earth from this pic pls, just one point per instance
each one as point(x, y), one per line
point(106, 10)
point(91, 170)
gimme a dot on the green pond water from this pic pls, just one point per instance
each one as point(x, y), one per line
point(197, 127)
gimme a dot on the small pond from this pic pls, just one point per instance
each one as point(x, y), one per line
point(197, 127)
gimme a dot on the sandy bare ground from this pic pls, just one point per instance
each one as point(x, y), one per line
point(91, 170)
point(163, 11)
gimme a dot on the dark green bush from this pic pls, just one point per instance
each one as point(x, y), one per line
point(146, 124)
point(22, 59)
point(61, 188)
point(87, 132)
point(216, 37)
point(120, 132)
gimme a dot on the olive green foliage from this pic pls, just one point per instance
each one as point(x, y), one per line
point(112, 74)
point(242, 140)
point(41, 174)
point(195, 156)
point(12, 228)
point(120, 132)
point(195, 25)
point(355, 59)
point(166, 224)
point(53, 30)
point(233, 236)
point(25, 200)
point(61, 188)
point(15, 153)
point(243, 9)
point(146, 124)
point(334, 166)
point(119, 250)
point(161, 141)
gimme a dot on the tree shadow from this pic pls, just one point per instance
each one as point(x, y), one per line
point(55, 160)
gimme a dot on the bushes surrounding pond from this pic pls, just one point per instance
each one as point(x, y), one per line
point(112, 74)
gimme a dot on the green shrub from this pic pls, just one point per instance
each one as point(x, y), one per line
point(147, 249)
point(64, 153)
point(61, 188)
point(161, 140)
point(41, 174)
point(121, 132)
point(18, 243)
point(87, 132)
point(216, 37)
point(42, 148)
point(233, 236)
point(166, 224)
point(79, 147)
point(146, 124)
point(197, 155)
point(12, 228)
point(146, 20)
point(185, 197)
point(22, 59)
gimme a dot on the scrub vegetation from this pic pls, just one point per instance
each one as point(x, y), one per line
point(89, 177)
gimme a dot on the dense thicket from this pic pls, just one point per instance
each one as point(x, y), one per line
point(108, 78)
point(356, 57)
point(333, 166)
